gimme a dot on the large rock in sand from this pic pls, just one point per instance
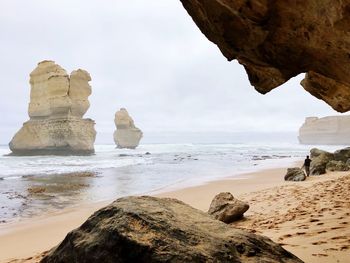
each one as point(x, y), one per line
point(295, 174)
point(277, 40)
point(337, 166)
point(319, 160)
point(342, 154)
point(57, 104)
point(127, 134)
point(149, 229)
point(226, 208)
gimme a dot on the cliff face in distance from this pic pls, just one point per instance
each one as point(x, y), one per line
point(277, 40)
point(334, 130)
point(58, 102)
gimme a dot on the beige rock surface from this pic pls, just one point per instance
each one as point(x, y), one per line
point(226, 208)
point(328, 130)
point(127, 134)
point(152, 230)
point(57, 104)
point(277, 40)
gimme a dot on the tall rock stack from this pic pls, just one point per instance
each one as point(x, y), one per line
point(126, 135)
point(58, 102)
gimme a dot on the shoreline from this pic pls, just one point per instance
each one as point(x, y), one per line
point(38, 191)
point(42, 233)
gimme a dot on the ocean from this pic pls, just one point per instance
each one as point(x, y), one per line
point(34, 185)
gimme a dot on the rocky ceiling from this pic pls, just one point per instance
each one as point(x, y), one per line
point(276, 40)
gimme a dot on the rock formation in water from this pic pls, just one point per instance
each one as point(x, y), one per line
point(57, 104)
point(226, 208)
point(277, 40)
point(126, 135)
point(149, 229)
point(328, 130)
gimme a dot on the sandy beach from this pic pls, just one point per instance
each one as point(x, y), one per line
point(310, 219)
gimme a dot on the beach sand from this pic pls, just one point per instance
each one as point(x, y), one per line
point(310, 219)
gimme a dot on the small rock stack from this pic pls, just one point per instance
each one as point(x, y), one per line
point(127, 134)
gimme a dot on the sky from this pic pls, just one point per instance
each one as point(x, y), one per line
point(146, 56)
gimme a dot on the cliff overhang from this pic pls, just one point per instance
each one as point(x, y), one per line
point(277, 40)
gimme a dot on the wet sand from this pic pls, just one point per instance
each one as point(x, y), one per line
point(310, 219)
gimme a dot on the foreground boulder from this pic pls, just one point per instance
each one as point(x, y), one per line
point(331, 130)
point(148, 229)
point(58, 102)
point(226, 208)
point(319, 161)
point(295, 174)
point(127, 134)
point(277, 40)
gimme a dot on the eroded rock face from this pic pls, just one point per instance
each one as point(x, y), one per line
point(57, 104)
point(127, 134)
point(337, 166)
point(149, 229)
point(277, 40)
point(328, 130)
point(295, 174)
point(342, 155)
point(226, 208)
point(319, 160)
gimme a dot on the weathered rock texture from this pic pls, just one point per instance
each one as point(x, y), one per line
point(149, 229)
point(342, 155)
point(337, 166)
point(126, 135)
point(226, 208)
point(328, 130)
point(295, 174)
point(319, 160)
point(277, 40)
point(57, 104)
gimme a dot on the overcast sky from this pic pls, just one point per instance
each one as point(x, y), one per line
point(146, 56)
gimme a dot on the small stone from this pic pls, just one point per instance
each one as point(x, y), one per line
point(295, 174)
point(36, 190)
point(226, 208)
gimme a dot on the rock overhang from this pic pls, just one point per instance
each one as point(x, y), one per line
point(277, 40)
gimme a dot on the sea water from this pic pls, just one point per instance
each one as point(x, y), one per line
point(150, 168)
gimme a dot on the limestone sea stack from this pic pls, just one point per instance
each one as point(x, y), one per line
point(126, 135)
point(58, 102)
point(334, 130)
